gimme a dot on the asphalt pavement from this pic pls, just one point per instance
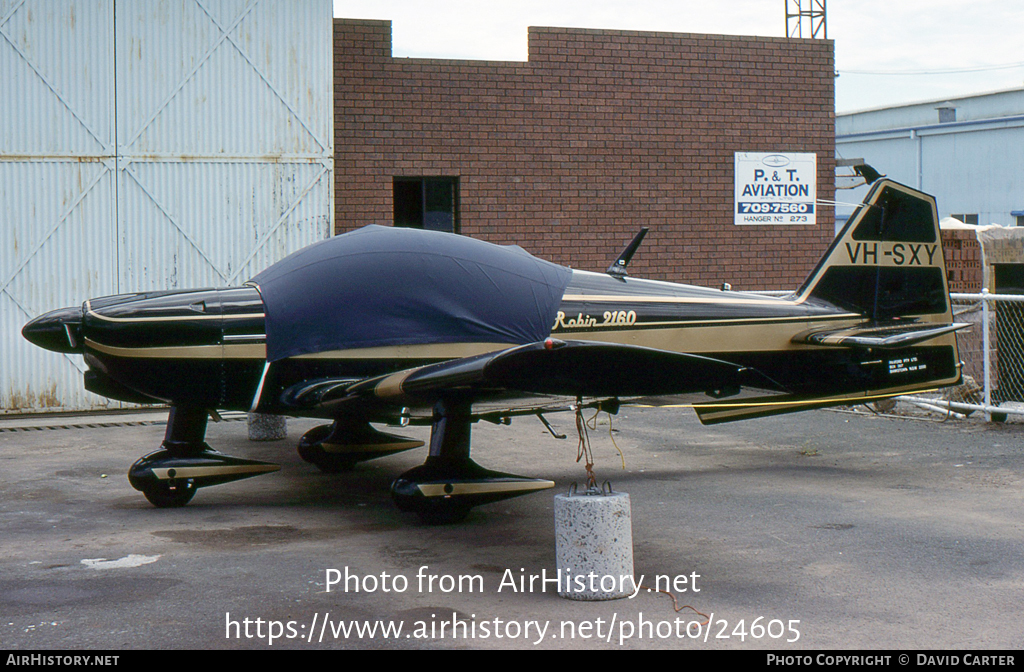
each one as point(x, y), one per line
point(820, 530)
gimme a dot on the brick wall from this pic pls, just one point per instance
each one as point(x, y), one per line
point(599, 133)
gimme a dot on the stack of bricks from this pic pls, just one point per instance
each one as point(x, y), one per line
point(599, 133)
point(962, 252)
point(965, 274)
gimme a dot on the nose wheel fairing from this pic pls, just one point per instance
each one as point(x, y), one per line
point(170, 476)
point(167, 479)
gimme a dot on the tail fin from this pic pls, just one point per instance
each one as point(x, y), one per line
point(887, 262)
point(887, 266)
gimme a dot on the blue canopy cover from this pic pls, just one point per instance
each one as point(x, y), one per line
point(383, 285)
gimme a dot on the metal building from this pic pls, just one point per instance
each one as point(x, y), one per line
point(152, 145)
point(968, 152)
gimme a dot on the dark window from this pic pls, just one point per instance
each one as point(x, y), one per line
point(966, 219)
point(1009, 278)
point(427, 203)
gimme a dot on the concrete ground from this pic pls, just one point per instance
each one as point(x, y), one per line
point(838, 530)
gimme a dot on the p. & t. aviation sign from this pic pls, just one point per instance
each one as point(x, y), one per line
point(775, 188)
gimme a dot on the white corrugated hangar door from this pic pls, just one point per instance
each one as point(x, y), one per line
point(152, 145)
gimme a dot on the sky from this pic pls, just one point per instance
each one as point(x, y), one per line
point(888, 52)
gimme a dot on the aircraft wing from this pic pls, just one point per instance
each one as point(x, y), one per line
point(550, 367)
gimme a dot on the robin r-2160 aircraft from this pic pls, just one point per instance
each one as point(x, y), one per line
point(398, 326)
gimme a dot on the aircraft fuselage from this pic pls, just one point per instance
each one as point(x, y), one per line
point(207, 348)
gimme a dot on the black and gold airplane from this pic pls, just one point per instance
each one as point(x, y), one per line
point(390, 325)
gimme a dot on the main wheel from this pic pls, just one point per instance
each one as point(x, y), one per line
point(165, 495)
point(311, 450)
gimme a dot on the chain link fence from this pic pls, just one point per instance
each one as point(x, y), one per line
point(992, 351)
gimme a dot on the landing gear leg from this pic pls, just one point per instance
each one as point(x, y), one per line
point(445, 487)
point(170, 476)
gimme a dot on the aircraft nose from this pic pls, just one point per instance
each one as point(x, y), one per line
point(58, 330)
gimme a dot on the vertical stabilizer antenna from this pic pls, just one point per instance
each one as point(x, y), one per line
point(618, 267)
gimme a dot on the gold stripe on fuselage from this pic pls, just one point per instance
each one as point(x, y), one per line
point(171, 318)
point(723, 335)
point(716, 322)
point(717, 300)
point(440, 351)
point(232, 351)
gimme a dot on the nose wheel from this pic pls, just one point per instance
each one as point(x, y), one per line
point(167, 495)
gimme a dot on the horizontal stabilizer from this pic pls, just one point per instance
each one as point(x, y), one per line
point(877, 336)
